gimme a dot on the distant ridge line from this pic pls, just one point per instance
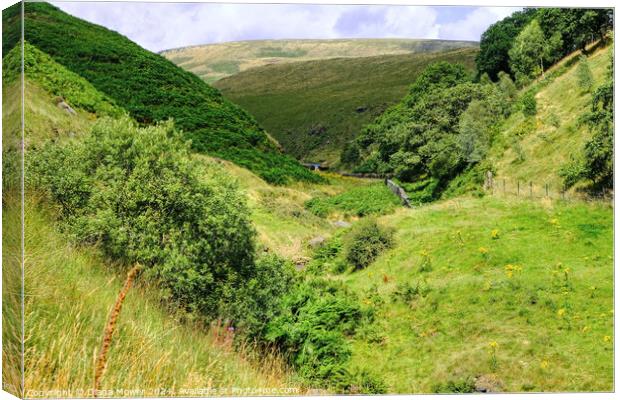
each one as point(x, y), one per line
point(195, 46)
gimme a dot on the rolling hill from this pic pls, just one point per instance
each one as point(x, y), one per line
point(216, 61)
point(152, 88)
point(314, 108)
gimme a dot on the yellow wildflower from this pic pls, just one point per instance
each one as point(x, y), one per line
point(544, 364)
point(607, 338)
point(554, 221)
point(493, 344)
point(495, 234)
point(585, 329)
point(561, 312)
point(483, 250)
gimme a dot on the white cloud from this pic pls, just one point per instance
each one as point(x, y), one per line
point(158, 26)
point(475, 23)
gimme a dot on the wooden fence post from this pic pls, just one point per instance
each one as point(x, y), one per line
point(547, 189)
point(504, 183)
point(518, 187)
point(531, 193)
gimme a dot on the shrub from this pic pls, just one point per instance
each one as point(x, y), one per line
point(138, 194)
point(528, 104)
point(584, 75)
point(407, 292)
point(366, 241)
point(259, 300)
point(422, 191)
point(358, 381)
point(571, 173)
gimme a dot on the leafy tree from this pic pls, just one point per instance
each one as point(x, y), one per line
point(584, 75)
point(531, 50)
point(577, 26)
point(437, 130)
point(497, 41)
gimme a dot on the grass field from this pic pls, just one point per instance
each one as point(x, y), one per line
point(323, 104)
point(535, 278)
point(216, 61)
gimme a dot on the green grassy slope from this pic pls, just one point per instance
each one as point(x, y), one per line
point(313, 108)
point(216, 61)
point(535, 149)
point(552, 319)
point(70, 291)
point(152, 88)
point(286, 223)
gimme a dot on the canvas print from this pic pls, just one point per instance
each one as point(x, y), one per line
point(227, 199)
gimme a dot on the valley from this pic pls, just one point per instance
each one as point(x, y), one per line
point(258, 274)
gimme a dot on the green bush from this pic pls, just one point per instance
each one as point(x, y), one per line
point(137, 193)
point(366, 241)
point(528, 103)
point(259, 300)
point(422, 191)
point(571, 173)
point(358, 381)
point(317, 316)
point(407, 292)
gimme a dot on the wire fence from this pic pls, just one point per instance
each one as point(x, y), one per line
point(539, 191)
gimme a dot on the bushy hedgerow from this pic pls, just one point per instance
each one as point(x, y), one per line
point(366, 241)
point(137, 193)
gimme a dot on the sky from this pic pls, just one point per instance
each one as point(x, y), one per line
point(160, 26)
